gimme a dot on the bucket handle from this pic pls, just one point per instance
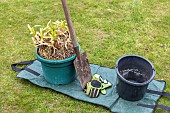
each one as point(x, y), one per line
point(167, 108)
point(15, 68)
point(155, 106)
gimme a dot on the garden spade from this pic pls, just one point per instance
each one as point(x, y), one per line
point(81, 62)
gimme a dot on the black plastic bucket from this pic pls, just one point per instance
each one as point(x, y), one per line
point(134, 73)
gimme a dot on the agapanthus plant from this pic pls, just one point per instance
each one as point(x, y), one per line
point(53, 41)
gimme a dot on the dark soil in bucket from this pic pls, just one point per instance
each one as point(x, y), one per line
point(134, 75)
point(52, 53)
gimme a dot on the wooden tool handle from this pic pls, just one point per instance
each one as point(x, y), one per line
point(71, 29)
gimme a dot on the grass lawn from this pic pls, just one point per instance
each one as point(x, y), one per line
point(106, 30)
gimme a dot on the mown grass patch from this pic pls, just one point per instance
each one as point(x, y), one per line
point(106, 30)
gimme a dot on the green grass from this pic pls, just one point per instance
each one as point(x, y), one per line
point(106, 30)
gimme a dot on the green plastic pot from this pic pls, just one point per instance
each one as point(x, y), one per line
point(58, 71)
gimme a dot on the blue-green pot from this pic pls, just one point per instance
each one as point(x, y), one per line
point(58, 71)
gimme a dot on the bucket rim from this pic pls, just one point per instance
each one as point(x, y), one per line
point(132, 83)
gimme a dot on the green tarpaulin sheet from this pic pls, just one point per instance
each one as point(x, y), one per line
point(111, 100)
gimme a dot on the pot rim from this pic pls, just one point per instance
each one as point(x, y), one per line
point(132, 83)
point(56, 61)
